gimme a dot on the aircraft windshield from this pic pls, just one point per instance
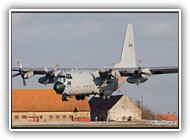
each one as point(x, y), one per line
point(61, 76)
point(68, 76)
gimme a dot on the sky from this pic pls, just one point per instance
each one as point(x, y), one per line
point(96, 40)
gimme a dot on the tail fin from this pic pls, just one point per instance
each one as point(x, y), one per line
point(128, 58)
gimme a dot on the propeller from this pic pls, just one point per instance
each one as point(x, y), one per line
point(112, 64)
point(140, 71)
point(49, 75)
point(20, 72)
point(141, 74)
point(109, 76)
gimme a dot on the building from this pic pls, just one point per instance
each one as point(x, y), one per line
point(118, 108)
point(44, 105)
point(167, 117)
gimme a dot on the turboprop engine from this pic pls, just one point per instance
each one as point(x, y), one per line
point(25, 74)
point(135, 80)
point(139, 76)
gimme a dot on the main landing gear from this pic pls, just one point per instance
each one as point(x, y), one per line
point(105, 97)
point(80, 97)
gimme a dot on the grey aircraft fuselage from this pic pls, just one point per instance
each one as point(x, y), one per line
point(83, 82)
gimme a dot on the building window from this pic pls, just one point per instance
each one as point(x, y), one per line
point(123, 118)
point(57, 116)
point(41, 117)
point(63, 116)
point(70, 117)
point(51, 116)
point(16, 117)
point(24, 117)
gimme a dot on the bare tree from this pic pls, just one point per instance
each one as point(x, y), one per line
point(146, 112)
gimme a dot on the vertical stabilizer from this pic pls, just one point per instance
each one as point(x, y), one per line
point(128, 58)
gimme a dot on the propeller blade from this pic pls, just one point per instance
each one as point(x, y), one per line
point(140, 63)
point(14, 75)
point(112, 65)
point(56, 67)
point(21, 72)
point(45, 69)
point(19, 64)
point(104, 83)
point(146, 72)
point(24, 82)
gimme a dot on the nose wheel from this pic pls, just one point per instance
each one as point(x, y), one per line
point(65, 98)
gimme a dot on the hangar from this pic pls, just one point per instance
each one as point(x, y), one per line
point(117, 108)
point(43, 105)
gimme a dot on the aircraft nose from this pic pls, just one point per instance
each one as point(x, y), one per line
point(59, 87)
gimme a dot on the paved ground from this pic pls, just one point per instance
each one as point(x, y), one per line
point(85, 125)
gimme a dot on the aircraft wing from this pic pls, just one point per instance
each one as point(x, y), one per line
point(153, 70)
point(123, 71)
point(43, 71)
point(164, 70)
point(35, 70)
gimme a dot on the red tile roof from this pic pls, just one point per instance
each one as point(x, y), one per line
point(168, 117)
point(34, 100)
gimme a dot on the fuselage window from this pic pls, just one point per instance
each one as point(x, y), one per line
point(69, 83)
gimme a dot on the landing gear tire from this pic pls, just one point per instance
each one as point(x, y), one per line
point(65, 98)
point(77, 97)
point(80, 97)
point(105, 97)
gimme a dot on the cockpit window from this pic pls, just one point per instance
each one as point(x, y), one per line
point(68, 76)
point(61, 76)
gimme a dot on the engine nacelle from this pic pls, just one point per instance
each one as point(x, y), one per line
point(45, 80)
point(28, 74)
point(136, 80)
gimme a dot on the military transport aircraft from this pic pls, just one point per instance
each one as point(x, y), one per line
point(83, 82)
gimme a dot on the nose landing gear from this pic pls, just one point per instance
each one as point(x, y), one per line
point(65, 98)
